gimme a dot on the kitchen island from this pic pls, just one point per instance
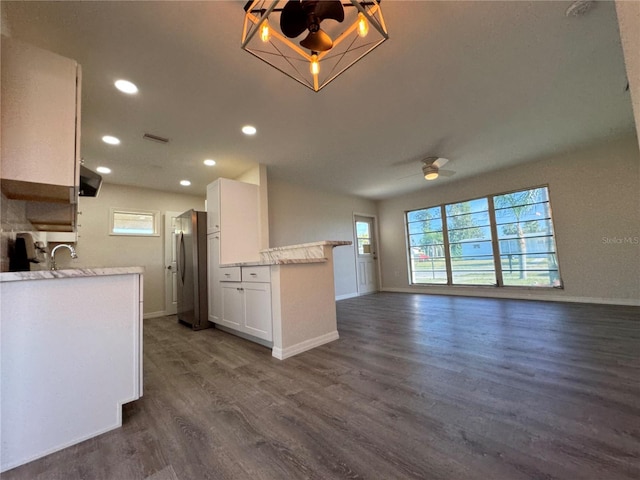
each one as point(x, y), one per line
point(71, 356)
point(287, 298)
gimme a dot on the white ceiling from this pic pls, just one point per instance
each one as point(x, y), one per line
point(485, 84)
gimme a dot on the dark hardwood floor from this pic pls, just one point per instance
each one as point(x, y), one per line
point(417, 387)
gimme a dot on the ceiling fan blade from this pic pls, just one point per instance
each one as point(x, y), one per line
point(446, 173)
point(440, 162)
point(429, 160)
point(332, 9)
point(293, 20)
point(409, 176)
point(317, 41)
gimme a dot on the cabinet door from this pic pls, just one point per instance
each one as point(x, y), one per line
point(257, 298)
point(213, 207)
point(232, 305)
point(40, 106)
point(213, 272)
point(239, 222)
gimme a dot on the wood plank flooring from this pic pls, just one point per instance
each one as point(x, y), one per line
point(417, 387)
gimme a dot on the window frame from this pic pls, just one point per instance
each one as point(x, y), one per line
point(495, 243)
point(155, 214)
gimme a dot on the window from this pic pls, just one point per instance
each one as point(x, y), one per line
point(364, 237)
point(503, 240)
point(525, 234)
point(470, 243)
point(427, 247)
point(134, 222)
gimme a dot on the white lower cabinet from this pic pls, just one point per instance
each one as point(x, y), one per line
point(257, 310)
point(246, 302)
point(232, 305)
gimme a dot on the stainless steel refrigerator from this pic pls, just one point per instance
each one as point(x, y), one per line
point(191, 262)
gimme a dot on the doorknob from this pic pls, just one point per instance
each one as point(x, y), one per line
point(169, 267)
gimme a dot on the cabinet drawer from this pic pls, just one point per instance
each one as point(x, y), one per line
point(230, 274)
point(256, 274)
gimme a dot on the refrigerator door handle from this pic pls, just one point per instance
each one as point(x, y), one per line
point(181, 257)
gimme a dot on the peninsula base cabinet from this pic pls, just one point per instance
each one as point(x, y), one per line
point(246, 301)
point(71, 356)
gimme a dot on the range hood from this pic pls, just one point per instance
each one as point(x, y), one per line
point(90, 182)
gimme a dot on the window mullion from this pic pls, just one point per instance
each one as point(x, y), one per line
point(495, 242)
point(445, 240)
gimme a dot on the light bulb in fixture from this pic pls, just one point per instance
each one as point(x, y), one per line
point(363, 25)
point(314, 66)
point(265, 32)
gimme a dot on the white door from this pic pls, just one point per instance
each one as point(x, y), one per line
point(366, 256)
point(171, 271)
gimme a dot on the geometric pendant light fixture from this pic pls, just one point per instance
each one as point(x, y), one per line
point(312, 41)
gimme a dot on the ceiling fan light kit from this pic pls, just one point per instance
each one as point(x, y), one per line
point(312, 41)
point(430, 172)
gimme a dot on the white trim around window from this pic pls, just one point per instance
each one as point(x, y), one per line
point(137, 223)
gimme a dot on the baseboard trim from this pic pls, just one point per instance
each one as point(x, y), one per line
point(281, 353)
point(511, 296)
point(154, 314)
point(246, 336)
point(344, 297)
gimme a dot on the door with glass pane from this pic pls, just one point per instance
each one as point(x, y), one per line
point(366, 256)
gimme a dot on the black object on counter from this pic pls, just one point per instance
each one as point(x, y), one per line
point(18, 259)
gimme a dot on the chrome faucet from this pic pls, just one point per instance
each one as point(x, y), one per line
point(53, 254)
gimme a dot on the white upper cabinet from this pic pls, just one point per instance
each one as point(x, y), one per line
point(233, 211)
point(40, 124)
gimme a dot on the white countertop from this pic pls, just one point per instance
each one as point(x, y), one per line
point(322, 243)
point(313, 252)
point(68, 273)
point(281, 261)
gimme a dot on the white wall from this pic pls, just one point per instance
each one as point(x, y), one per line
point(298, 214)
point(595, 200)
point(97, 248)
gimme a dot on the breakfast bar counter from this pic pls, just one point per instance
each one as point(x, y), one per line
point(302, 302)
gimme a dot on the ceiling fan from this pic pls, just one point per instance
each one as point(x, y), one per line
point(432, 168)
point(300, 15)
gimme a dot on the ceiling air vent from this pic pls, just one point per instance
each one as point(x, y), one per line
point(155, 138)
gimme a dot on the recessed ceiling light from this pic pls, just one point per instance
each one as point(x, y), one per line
point(126, 86)
point(185, 183)
point(103, 170)
point(209, 163)
point(249, 130)
point(111, 140)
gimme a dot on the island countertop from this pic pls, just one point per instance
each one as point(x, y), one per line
point(68, 273)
